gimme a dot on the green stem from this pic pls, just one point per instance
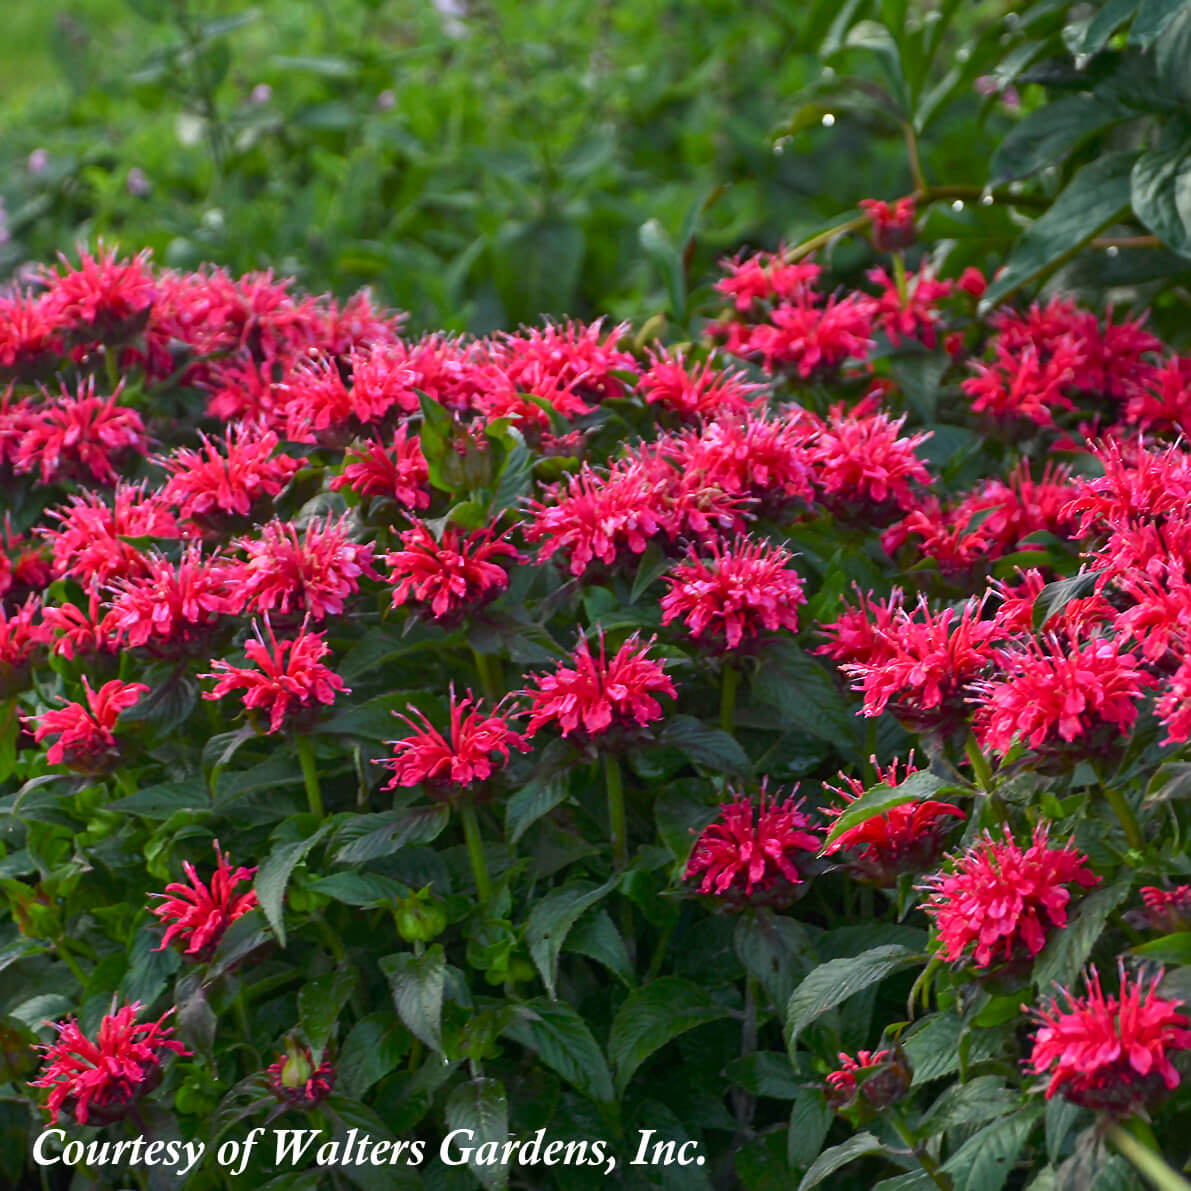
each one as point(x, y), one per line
point(70, 961)
point(899, 276)
point(659, 953)
point(1124, 812)
point(484, 669)
point(475, 851)
point(125, 782)
point(617, 824)
point(310, 775)
point(980, 767)
point(731, 680)
point(928, 1164)
point(1146, 1159)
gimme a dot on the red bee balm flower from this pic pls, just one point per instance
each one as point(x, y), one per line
point(86, 741)
point(297, 1082)
point(747, 856)
point(451, 575)
point(893, 227)
point(692, 390)
point(1110, 1053)
point(197, 915)
point(907, 838)
point(742, 590)
point(1166, 910)
point(400, 472)
point(592, 696)
point(1061, 698)
point(884, 1079)
point(97, 1082)
point(313, 574)
point(995, 896)
point(476, 738)
point(288, 677)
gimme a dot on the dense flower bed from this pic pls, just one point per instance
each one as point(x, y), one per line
point(772, 742)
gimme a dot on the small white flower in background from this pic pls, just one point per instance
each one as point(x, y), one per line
point(38, 160)
point(453, 13)
point(385, 100)
point(261, 93)
point(138, 182)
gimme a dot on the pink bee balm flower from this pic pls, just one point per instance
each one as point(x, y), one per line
point(319, 399)
point(170, 606)
point(210, 484)
point(477, 741)
point(1110, 1052)
point(566, 358)
point(98, 1081)
point(1166, 910)
point(77, 631)
point(1174, 705)
point(399, 472)
point(287, 677)
point(742, 590)
point(297, 1081)
point(20, 637)
point(311, 574)
point(1164, 404)
point(593, 695)
point(748, 856)
point(763, 276)
point(907, 838)
point(86, 737)
point(196, 915)
point(917, 315)
point(1021, 386)
point(696, 390)
point(806, 338)
point(452, 575)
point(104, 295)
point(30, 333)
point(78, 437)
point(892, 227)
point(998, 898)
point(1061, 698)
point(881, 1078)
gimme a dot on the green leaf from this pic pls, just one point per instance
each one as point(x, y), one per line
point(860, 1145)
point(370, 837)
point(1094, 197)
point(774, 950)
point(552, 918)
point(1151, 21)
point(371, 1050)
point(651, 566)
point(319, 1005)
point(653, 1016)
point(1049, 133)
point(803, 693)
point(482, 1107)
point(829, 985)
point(1169, 949)
point(660, 249)
point(1105, 23)
point(417, 983)
point(595, 936)
point(548, 785)
point(933, 1046)
point(974, 1102)
point(564, 1043)
point(359, 889)
point(1162, 193)
point(273, 877)
point(919, 377)
point(710, 747)
point(984, 1161)
point(164, 799)
point(878, 800)
point(1068, 950)
point(1054, 597)
point(765, 1073)
point(810, 1118)
point(515, 477)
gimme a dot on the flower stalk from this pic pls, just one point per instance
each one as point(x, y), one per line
point(1145, 1158)
point(730, 681)
point(617, 822)
point(475, 850)
point(310, 775)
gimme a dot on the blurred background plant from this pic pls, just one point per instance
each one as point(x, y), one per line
point(484, 162)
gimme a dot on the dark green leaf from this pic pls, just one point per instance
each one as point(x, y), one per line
point(1151, 21)
point(1162, 193)
point(565, 1044)
point(319, 1004)
point(711, 747)
point(859, 1145)
point(653, 1016)
point(274, 874)
point(482, 1107)
point(417, 983)
point(1068, 950)
point(552, 918)
point(371, 1050)
point(984, 1161)
point(1049, 133)
point(810, 1118)
point(369, 837)
point(880, 799)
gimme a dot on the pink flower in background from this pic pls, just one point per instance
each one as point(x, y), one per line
point(764, 276)
point(1110, 1053)
point(696, 389)
point(999, 899)
point(398, 472)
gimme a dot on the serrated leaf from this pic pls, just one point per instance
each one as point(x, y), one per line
point(969, 1103)
point(1172, 53)
point(1151, 21)
point(482, 1107)
point(810, 1118)
point(319, 1004)
point(273, 877)
point(651, 566)
point(596, 937)
point(1054, 597)
point(710, 747)
point(984, 1161)
point(564, 1043)
point(164, 799)
point(515, 478)
point(860, 1145)
point(829, 985)
point(1049, 133)
point(373, 1047)
point(552, 918)
point(359, 889)
point(653, 1016)
point(880, 799)
point(417, 983)
point(370, 837)
point(548, 786)
point(1068, 950)
point(1161, 178)
point(775, 951)
point(919, 376)
point(765, 1073)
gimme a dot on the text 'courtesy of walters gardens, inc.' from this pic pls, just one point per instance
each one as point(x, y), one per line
point(315, 1148)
